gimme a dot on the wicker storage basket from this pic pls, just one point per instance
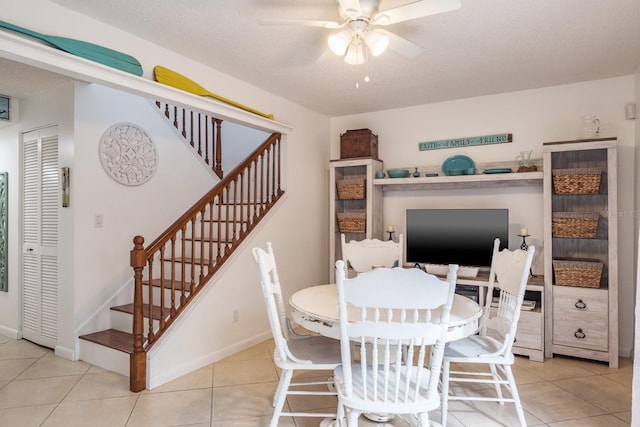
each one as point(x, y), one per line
point(583, 274)
point(352, 222)
point(574, 224)
point(576, 181)
point(351, 188)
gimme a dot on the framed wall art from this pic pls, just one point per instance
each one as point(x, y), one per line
point(5, 107)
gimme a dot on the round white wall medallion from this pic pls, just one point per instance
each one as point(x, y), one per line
point(127, 154)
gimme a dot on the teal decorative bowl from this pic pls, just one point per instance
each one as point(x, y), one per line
point(398, 173)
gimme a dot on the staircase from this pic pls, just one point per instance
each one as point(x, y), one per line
point(202, 132)
point(169, 272)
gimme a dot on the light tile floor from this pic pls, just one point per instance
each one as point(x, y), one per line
point(40, 389)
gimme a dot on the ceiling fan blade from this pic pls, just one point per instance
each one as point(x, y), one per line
point(300, 22)
point(401, 45)
point(350, 8)
point(415, 10)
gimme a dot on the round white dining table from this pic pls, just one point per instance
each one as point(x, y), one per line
point(316, 309)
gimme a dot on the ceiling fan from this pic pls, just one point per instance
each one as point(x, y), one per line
point(358, 27)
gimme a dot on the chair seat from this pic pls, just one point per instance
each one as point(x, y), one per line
point(474, 349)
point(386, 404)
point(321, 350)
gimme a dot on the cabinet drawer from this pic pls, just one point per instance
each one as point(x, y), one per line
point(580, 317)
point(529, 332)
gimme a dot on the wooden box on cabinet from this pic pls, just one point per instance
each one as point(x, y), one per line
point(358, 143)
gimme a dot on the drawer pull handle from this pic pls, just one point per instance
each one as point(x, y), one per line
point(579, 334)
point(580, 305)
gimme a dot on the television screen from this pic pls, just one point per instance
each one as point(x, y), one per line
point(455, 236)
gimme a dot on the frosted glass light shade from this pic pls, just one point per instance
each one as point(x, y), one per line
point(377, 42)
point(355, 54)
point(338, 43)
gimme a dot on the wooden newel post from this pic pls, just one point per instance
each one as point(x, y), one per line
point(138, 361)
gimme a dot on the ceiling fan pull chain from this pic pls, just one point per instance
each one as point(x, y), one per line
point(366, 67)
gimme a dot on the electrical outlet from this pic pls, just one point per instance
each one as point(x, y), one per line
point(97, 220)
point(236, 315)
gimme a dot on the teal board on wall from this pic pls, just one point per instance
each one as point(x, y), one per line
point(466, 142)
point(90, 51)
point(4, 231)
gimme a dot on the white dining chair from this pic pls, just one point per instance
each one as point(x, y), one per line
point(401, 315)
point(293, 351)
point(364, 255)
point(492, 346)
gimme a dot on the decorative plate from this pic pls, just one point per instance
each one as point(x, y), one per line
point(497, 170)
point(127, 154)
point(457, 163)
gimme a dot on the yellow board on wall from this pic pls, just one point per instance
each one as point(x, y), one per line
point(171, 78)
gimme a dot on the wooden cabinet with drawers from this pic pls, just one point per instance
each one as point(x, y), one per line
point(580, 318)
point(581, 249)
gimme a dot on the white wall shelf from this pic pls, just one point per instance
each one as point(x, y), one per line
point(479, 180)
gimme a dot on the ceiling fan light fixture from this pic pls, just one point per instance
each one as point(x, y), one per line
point(377, 42)
point(355, 54)
point(338, 43)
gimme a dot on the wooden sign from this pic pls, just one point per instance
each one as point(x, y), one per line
point(466, 142)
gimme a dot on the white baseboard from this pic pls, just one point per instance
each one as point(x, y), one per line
point(166, 374)
point(10, 332)
point(65, 353)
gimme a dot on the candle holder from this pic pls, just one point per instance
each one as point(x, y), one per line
point(525, 247)
point(390, 234)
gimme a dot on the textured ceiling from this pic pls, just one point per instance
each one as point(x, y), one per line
point(486, 47)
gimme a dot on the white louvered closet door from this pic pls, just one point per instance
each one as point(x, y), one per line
point(40, 201)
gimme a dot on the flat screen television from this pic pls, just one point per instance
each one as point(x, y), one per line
point(455, 236)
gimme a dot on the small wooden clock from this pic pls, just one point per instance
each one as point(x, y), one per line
point(5, 102)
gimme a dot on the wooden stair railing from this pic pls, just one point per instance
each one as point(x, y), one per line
point(183, 259)
point(201, 131)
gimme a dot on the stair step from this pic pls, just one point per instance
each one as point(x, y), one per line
point(112, 338)
point(128, 308)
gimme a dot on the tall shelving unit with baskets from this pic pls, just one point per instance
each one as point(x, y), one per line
point(581, 249)
point(355, 205)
